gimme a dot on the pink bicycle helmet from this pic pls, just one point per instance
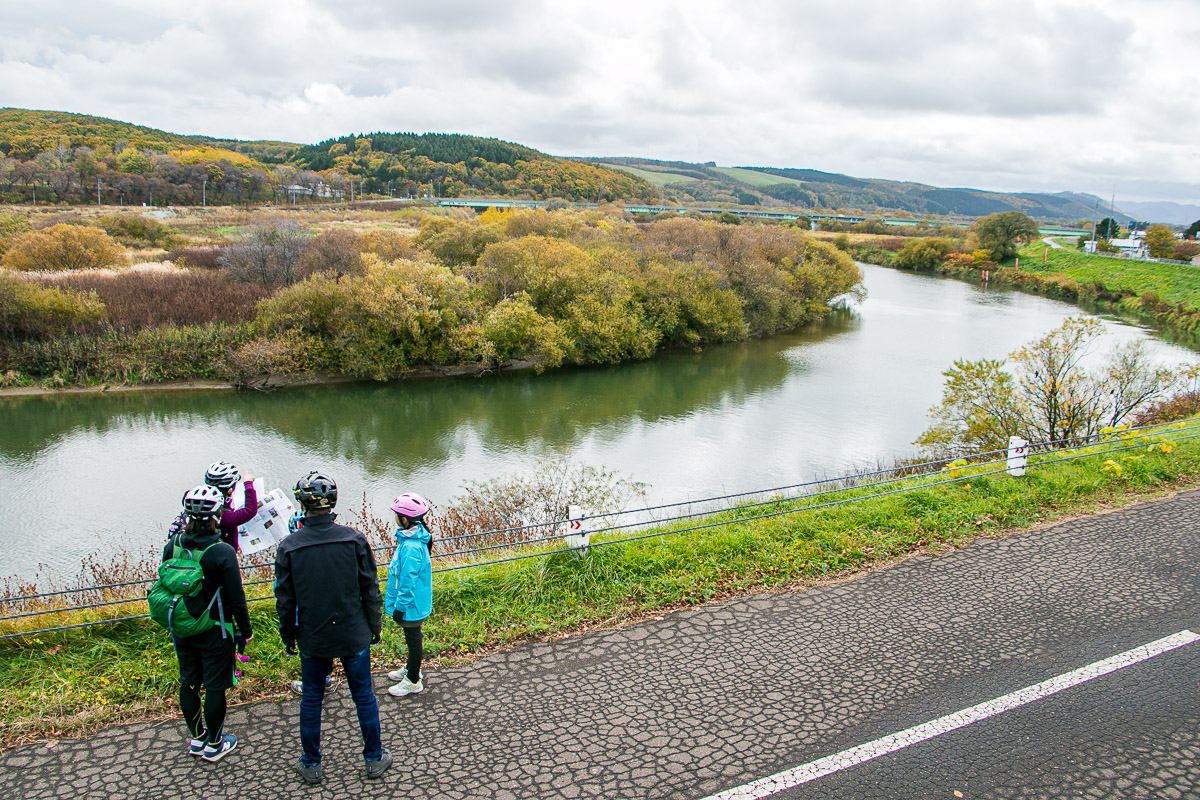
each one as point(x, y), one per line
point(410, 505)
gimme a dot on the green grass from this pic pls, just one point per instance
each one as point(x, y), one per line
point(1173, 283)
point(659, 179)
point(754, 177)
point(76, 682)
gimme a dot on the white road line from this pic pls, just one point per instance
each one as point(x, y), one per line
point(791, 778)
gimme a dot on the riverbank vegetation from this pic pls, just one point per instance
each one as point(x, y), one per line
point(1046, 393)
point(1164, 294)
point(74, 682)
point(371, 295)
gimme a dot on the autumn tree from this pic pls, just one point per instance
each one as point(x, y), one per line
point(998, 233)
point(1161, 241)
point(1043, 393)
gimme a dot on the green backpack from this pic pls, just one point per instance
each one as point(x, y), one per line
point(180, 576)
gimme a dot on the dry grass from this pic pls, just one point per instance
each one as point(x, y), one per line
point(152, 295)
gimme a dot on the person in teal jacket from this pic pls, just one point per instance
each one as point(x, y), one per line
point(409, 596)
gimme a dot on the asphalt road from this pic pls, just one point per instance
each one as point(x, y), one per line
point(703, 701)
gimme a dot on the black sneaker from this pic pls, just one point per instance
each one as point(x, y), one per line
point(376, 768)
point(311, 774)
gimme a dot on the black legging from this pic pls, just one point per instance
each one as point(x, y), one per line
point(412, 638)
point(214, 712)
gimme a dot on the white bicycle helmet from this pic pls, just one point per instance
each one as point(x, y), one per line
point(203, 501)
point(222, 475)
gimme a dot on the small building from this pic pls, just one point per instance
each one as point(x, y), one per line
point(1133, 247)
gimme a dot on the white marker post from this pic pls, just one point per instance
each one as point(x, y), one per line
point(1018, 454)
point(578, 538)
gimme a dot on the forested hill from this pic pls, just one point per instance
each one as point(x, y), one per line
point(58, 156)
point(25, 133)
point(454, 165)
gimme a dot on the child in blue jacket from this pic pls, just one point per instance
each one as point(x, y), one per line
point(409, 596)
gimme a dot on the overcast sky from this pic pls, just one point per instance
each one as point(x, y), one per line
point(1043, 95)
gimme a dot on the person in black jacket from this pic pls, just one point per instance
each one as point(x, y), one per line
point(206, 659)
point(329, 604)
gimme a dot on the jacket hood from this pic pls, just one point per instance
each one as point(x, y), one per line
point(417, 533)
point(200, 542)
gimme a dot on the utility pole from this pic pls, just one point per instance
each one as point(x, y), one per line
point(204, 193)
point(1095, 216)
point(97, 191)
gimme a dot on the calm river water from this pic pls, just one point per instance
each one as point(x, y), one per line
point(102, 474)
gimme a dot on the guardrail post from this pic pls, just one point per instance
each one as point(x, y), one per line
point(578, 538)
point(1018, 454)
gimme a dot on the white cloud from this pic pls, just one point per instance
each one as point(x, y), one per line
point(999, 94)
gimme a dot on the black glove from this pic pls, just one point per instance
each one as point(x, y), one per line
point(289, 648)
point(398, 616)
point(240, 642)
point(375, 638)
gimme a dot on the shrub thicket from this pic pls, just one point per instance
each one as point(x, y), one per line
point(10, 226)
point(137, 299)
point(545, 288)
point(137, 230)
point(31, 311)
point(197, 256)
point(338, 251)
point(268, 254)
point(61, 247)
point(530, 286)
point(389, 245)
point(147, 356)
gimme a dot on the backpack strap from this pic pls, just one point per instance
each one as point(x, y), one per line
point(216, 598)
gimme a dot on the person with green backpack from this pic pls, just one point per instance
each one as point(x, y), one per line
point(199, 598)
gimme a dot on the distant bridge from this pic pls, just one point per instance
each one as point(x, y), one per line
point(755, 213)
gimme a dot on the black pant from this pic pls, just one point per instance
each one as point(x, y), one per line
point(412, 638)
point(208, 728)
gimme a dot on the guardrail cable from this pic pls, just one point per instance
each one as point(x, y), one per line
point(969, 469)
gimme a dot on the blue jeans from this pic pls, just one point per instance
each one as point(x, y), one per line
point(358, 676)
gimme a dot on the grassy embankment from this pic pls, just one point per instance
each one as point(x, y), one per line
point(76, 682)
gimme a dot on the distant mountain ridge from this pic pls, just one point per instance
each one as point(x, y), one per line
point(810, 188)
point(1163, 211)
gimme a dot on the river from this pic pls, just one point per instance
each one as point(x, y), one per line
point(99, 475)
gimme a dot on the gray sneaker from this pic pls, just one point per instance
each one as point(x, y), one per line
point(298, 686)
point(309, 774)
point(375, 769)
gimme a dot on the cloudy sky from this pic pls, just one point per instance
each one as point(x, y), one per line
point(1046, 95)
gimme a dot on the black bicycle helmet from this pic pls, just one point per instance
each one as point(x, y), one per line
point(315, 490)
point(203, 501)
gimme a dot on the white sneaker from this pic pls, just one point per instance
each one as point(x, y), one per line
point(405, 687)
point(402, 674)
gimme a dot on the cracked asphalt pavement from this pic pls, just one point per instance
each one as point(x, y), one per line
point(712, 698)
